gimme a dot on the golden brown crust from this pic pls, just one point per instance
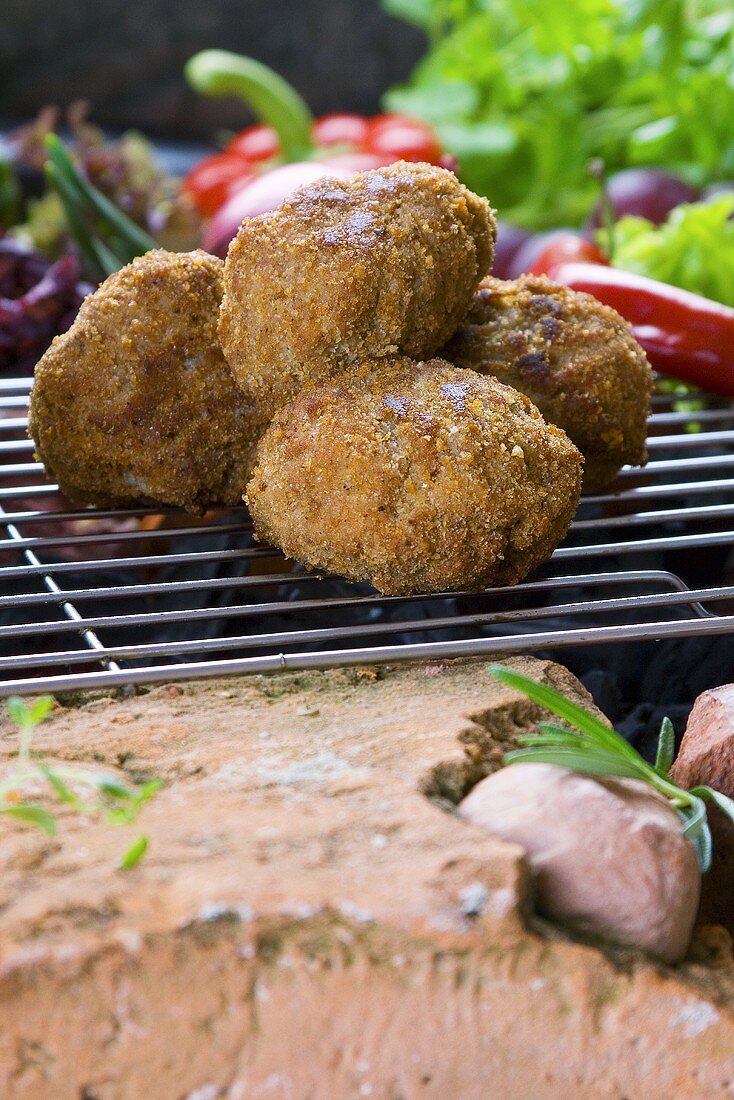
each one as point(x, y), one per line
point(415, 477)
point(575, 358)
point(381, 264)
point(136, 401)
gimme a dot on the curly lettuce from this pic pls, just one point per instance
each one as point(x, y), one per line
point(693, 249)
point(526, 92)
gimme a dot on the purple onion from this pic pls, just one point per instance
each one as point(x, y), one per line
point(262, 195)
point(510, 238)
point(645, 192)
point(530, 250)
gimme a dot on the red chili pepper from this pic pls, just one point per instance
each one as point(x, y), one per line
point(289, 135)
point(567, 248)
point(684, 334)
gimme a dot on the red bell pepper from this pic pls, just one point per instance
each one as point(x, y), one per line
point(289, 135)
point(684, 334)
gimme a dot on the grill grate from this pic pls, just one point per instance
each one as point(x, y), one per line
point(104, 598)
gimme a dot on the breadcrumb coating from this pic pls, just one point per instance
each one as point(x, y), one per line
point(136, 402)
point(384, 263)
point(416, 477)
point(575, 358)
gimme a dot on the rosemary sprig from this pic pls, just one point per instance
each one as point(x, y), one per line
point(107, 238)
point(592, 748)
point(96, 795)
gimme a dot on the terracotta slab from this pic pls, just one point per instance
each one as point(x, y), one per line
point(311, 921)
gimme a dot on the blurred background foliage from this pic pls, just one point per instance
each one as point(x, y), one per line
point(527, 92)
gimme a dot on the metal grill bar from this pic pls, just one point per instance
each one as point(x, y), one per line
point(166, 588)
point(249, 610)
point(68, 608)
point(176, 588)
point(299, 637)
point(562, 639)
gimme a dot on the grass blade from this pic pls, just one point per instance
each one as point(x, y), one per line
point(89, 247)
point(131, 233)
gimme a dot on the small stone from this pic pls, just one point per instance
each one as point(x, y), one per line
point(707, 750)
point(706, 758)
point(608, 857)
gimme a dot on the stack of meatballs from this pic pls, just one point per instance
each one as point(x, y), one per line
point(389, 411)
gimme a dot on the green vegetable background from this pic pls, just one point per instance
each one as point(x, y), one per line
point(527, 92)
point(693, 249)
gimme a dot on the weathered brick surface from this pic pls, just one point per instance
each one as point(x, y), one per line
point(309, 924)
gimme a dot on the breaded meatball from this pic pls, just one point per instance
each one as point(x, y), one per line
point(136, 401)
point(381, 264)
point(416, 477)
point(575, 358)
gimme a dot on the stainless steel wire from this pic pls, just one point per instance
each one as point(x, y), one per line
point(107, 598)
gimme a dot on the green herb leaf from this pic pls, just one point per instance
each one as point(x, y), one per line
point(592, 752)
point(587, 761)
point(111, 787)
point(41, 707)
point(102, 796)
point(696, 828)
point(724, 803)
point(148, 789)
point(134, 854)
point(556, 735)
point(693, 249)
point(576, 715)
point(645, 82)
point(666, 747)
point(19, 711)
point(121, 815)
point(704, 847)
point(57, 784)
point(33, 815)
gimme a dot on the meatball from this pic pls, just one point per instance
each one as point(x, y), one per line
point(381, 264)
point(136, 403)
point(416, 477)
point(575, 358)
